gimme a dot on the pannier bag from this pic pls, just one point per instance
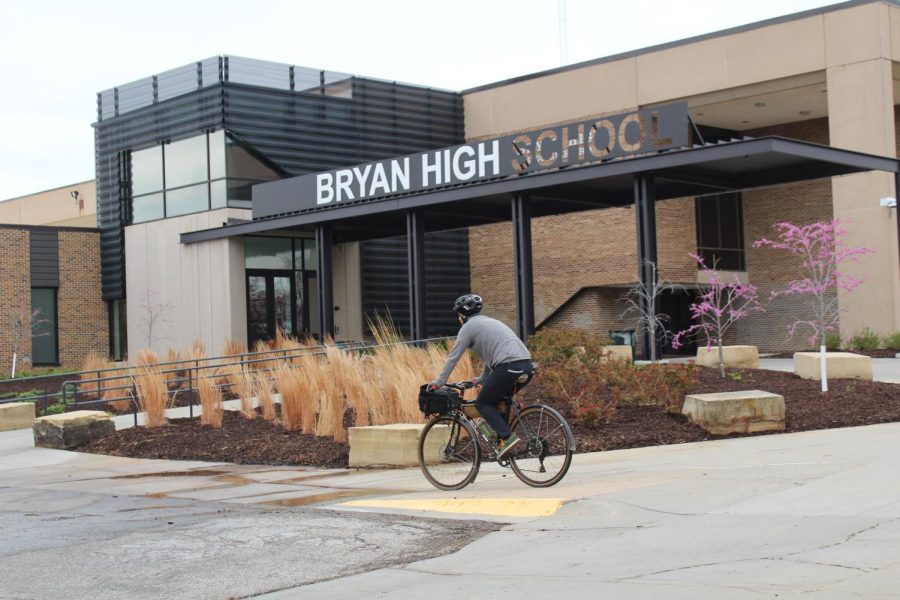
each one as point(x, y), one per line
point(437, 402)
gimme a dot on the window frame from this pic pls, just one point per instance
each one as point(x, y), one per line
point(55, 322)
point(738, 198)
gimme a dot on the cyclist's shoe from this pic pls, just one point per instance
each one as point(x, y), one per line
point(504, 446)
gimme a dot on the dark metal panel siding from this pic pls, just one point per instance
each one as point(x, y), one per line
point(305, 133)
point(299, 131)
point(178, 117)
point(44, 251)
point(385, 282)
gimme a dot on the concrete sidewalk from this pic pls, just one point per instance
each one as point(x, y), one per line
point(813, 514)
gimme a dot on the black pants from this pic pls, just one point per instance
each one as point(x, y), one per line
point(502, 382)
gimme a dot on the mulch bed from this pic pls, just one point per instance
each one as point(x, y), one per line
point(245, 441)
point(882, 353)
point(240, 440)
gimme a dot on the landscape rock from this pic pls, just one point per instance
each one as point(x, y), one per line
point(68, 430)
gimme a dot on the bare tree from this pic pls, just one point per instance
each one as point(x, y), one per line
point(154, 316)
point(24, 323)
point(642, 301)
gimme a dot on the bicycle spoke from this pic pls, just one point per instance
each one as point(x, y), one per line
point(546, 454)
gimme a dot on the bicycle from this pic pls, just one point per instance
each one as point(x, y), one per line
point(450, 443)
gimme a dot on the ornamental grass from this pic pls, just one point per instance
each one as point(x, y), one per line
point(212, 408)
point(152, 393)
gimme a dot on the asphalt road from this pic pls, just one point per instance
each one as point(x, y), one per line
point(85, 546)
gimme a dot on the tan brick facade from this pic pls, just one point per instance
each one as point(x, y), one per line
point(15, 292)
point(595, 251)
point(83, 319)
point(81, 311)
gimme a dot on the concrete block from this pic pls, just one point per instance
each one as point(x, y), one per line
point(394, 445)
point(736, 412)
point(736, 357)
point(618, 352)
point(839, 365)
point(68, 430)
point(16, 415)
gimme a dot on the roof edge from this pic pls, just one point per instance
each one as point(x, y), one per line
point(682, 42)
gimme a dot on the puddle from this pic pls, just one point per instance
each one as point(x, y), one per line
point(309, 477)
point(198, 472)
point(318, 498)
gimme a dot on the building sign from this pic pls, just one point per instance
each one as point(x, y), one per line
point(583, 142)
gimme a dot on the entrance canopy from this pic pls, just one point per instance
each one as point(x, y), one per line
point(699, 170)
point(635, 158)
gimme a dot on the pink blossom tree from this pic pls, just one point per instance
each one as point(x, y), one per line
point(820, 248)
point(722, 305)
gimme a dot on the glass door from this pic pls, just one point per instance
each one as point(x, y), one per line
point(270, 304)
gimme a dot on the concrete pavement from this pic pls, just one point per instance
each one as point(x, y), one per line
point(813, 514)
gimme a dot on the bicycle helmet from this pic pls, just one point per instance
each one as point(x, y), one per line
point(468, 305)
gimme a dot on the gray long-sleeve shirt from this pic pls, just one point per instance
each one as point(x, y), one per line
point(491, 340)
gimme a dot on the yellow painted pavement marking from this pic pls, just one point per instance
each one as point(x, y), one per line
point(505, 507)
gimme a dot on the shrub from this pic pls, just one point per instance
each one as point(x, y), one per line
point(865, 340)
point(54, 409)
point(891, 342)
point(552, 346)
point(594, 390)
point(833, 341)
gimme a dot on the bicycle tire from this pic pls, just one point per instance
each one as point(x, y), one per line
point(546, 448)
point(449, 452)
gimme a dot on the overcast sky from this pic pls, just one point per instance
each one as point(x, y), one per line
point(56, 55)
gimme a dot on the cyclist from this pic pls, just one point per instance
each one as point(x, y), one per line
point(507, 364)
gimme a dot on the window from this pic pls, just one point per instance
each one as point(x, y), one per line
point(44, 339)
point(117, 339)
point(200, 173)
point(720, 231)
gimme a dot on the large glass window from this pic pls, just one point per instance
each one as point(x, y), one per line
point(146, 171)
point(187, 162)
point(44, 339)
point(200, 173)
point(186, 200)
point(268, 253)
point(720, 231)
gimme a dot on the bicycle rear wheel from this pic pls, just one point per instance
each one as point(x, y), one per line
point(449, 454)
point(543, 456)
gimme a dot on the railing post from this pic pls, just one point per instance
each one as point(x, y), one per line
point(190, 392)
point(134, 400)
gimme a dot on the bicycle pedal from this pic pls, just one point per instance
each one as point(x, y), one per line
point(503, 462)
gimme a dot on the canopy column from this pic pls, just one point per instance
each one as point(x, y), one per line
point(415, 252)
point(645, 210)
point(521, 221)
point(324, 280)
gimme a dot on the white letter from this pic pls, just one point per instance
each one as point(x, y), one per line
point(399, 175)
point(344, 179)
point(469, 172)
point(435, 168)
point(361, 178)
point(379, 180)
point(324, 191)
point(493, 158)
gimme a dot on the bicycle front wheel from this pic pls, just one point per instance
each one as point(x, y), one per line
point(543, 456)
point(449, 454)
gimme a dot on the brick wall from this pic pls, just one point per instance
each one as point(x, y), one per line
point(81, 311)
point(83, 318)
point(15, 293)
point(799, 203)
point(578, 250)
